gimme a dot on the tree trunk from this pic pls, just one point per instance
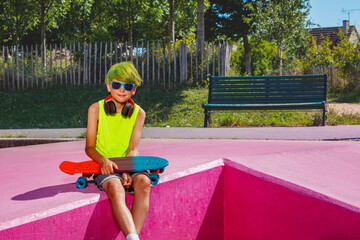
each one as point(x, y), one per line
point(200, 33)
point(130, 32)
point(172, 21)
point(43, 33)
point(130, 29)
point(247, 54)
point(280, 60)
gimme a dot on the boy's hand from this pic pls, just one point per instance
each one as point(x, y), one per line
point(107, 167)
point(127, 180)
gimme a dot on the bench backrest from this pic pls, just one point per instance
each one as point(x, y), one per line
point(267, 89)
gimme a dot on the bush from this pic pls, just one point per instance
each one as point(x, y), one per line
point(263, 58)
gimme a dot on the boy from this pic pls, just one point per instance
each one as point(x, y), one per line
point(114, 130)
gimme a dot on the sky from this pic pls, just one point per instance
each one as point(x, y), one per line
point(331, 13)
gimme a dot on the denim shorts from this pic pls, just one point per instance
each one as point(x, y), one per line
point(100, 179)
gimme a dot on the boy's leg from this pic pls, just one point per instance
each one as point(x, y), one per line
point(121, 213)
point(140, 206)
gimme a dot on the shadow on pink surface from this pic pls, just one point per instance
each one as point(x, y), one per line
point(50, 191)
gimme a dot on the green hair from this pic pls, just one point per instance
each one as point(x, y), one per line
point(123, 72)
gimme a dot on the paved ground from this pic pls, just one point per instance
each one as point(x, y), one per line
point(342, 132)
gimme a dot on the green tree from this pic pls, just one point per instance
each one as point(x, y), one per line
point(346, 55)
point(232, 19)
point(74, 21)
point(200, 29)
point(319, 55)
point(281, 22)
point(16, 18)
point(263, 57)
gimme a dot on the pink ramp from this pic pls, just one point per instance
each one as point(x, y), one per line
point(212, 189)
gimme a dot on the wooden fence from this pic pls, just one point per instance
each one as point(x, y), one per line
point(334, 77)
point(87, 63)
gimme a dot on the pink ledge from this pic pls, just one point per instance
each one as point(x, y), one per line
point(262, 190)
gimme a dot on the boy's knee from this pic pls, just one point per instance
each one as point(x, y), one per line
point(142, 183)
point(113, 188)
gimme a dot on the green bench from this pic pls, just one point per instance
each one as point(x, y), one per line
point(301, 92)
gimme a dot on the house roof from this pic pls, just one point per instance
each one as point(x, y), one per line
point(320, 34)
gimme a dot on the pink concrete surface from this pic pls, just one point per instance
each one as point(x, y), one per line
point(258, 209)
point(38, 201)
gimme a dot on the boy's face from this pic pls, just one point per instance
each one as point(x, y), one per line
point(120, 91)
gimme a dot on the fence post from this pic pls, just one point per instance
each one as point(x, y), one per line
point(191, 61)
point(85, 65)
point(110, 53)
point(17, 67)
point(32, 66)
point(219, 59)
point(50, 51)
point(142, 60)
point(169, 59)
point(153, 63)
point(37, 65)
point(79, 65)
point(105, 58)
point(147, 62)
point(164, 64)
point(100, 57)
point(174, 62)
point(126, 51)
point(8, 67)
point(89, 65)
point(71, 64)
point(121, 51)
point(22, 67)
point(136, 55)
point(3, 56)
point(213, 52)
point(61, 73)
point(159, 62)
point(65, 56)
point(131, 53)
point(95, 60)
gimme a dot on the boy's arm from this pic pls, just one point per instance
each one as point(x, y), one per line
point(93, 118)
point(136, 135)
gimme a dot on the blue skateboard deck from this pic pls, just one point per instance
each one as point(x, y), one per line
point(156, 165)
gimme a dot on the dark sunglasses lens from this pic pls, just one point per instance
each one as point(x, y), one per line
point(115, 85)
point(128, 86)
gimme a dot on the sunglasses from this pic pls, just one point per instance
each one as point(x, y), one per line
point(117, 85)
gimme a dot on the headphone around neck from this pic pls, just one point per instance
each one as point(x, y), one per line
point(110, 107)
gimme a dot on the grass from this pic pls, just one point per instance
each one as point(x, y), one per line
point(344, 95)
point(66, 107)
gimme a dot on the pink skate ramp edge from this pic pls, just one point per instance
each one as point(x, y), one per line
point(36, 189)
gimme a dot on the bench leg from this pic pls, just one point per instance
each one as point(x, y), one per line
point(324, 116)
point(207, 118)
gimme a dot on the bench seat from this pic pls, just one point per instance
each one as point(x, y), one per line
point(300, 92)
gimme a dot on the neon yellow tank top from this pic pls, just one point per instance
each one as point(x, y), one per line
point(114, 132)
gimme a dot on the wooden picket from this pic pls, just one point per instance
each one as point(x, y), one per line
point(161, 64)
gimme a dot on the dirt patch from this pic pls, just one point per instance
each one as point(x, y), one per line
point(344, 108)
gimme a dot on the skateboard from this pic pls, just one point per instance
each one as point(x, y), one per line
point(156, 165)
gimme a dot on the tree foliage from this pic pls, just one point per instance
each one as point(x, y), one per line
point(230, 19)
point(257, 27)
point(284, 23)
point(22, 21)
point(263, 57)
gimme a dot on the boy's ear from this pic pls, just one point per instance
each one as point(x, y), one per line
point(134, 90)
point(108, 87)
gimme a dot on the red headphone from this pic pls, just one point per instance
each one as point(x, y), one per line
point(110, 107)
